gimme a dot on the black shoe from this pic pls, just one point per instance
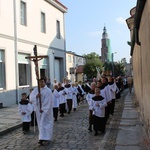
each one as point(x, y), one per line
point(96, 133)
point(65, 111)
point(40, 142)
point(90, 129)
point(32, 124)
point(103, 132)
point(62, 115)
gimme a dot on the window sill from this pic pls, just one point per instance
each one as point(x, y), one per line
point(24, 86)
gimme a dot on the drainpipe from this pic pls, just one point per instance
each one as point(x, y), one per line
point(16, 52)
point(64, 45)
point(137, 19)
point(138, 16)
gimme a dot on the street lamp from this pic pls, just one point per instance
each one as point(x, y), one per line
point(112, 59)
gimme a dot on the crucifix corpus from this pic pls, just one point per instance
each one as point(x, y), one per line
point(35, 59)
point(98, 73)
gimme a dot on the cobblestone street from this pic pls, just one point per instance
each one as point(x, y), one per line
point(123, 131)
point(70, 132)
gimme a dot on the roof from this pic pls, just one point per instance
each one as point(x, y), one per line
point(57, 4)
point(73, 53)
point(61, 4)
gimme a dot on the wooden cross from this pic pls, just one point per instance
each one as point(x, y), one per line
point(35, 59)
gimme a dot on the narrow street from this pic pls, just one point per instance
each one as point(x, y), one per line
point(70, 132)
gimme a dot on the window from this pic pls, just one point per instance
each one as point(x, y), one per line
point(79, 60)
point(43, 23)
point(43, 67)
point(24, 70)
point(58, 29)
point(69, 58)
point(23, 15)
point(2, 70)
point(73, 59)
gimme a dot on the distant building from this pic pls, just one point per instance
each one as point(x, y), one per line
point(105, 49)
point(74, 66)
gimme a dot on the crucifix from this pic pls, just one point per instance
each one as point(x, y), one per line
point(35, 59)
point(98, 73)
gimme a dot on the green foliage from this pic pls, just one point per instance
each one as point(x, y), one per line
point(92, 61)
point(119, 69)
point(91, 56)
point(107, 66)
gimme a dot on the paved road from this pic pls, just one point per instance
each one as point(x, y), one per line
point(70, 133)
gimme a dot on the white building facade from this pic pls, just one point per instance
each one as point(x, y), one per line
point(73, 63)
point(25, 23)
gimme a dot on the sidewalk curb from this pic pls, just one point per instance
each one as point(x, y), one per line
point(11, 128)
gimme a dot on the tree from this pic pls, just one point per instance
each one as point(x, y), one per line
point(92, 61)
point(119, 69)
point(107, 68)
point(91, 56)
point(90, 68)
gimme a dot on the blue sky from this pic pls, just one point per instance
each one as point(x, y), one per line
point(85, 20)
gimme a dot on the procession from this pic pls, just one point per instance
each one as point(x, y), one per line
point(65, 98)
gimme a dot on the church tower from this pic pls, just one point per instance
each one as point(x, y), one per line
point(105, 49)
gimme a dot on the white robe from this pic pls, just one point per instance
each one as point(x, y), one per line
point(104, 94)
point(107, 94)
point(55, 99)
point(98, 107)
point(89, 97)
point(44, 119)
point(74, 97)
point(62, 98)
point(112, 90)
point(68, 92)
point(27, 109)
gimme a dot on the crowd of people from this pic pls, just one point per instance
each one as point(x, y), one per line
point(47, 104)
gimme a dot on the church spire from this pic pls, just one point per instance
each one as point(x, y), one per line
point(104, 34)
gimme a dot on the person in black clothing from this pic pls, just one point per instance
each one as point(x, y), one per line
point(81, 91)
point(87, 86)
point(119, 84)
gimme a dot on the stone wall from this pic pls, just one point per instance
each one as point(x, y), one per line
point(141, 67)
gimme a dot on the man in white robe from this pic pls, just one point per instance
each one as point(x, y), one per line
point(112, 92)
point(45, 113)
